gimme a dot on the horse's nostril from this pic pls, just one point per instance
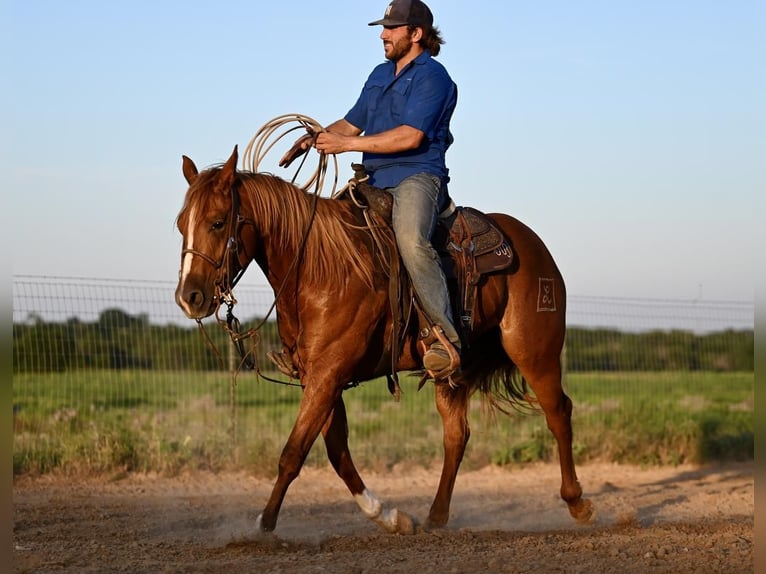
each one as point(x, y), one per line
point(195, 298)
point(191, 300)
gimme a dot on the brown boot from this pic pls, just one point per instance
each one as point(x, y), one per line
point(441, 361)
point(436, 358)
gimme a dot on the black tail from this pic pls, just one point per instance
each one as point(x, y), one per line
point(488, 369)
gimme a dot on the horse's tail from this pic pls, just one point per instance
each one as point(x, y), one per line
point(490, 371)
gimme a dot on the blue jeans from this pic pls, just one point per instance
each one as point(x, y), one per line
point(417, 200)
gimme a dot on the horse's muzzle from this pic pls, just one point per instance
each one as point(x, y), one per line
point(195, 301)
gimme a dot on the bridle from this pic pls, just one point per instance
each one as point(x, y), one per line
point(225, 281)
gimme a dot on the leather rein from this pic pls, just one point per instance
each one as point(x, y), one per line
point(225, 283)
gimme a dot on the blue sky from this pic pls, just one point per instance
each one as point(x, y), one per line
point(629, 135)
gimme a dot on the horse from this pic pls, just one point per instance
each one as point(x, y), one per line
point(334, 320)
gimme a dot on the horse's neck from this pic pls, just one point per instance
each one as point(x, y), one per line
point(301, 234)
point(275, 256)
point(277, 262)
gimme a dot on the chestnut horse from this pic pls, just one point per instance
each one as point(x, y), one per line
point(334, 320)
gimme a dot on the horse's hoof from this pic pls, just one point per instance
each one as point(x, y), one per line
point(260, 527)
point(405, 524)
point(583, 511)
point(436, 524)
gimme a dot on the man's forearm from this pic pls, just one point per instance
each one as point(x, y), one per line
point(343, 137)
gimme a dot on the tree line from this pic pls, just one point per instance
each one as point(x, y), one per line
point(118, 340)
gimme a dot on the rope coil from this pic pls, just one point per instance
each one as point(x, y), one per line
point(275, 130)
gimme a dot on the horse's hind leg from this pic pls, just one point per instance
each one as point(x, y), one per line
point(452, 405)
point(557, 406)
point(335, 432)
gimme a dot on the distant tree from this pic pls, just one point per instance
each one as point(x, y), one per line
point(110, 319)
point(43, 347)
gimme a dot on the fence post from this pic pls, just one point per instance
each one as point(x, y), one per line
point(233, 362)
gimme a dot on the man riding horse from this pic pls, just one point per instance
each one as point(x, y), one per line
point(333, 296)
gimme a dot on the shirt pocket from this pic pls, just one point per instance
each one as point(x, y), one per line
point(400, 92)
point(374, 94)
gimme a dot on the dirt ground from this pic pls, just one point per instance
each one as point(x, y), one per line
point(684, 519)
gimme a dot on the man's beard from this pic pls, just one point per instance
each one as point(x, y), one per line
point(400, 49)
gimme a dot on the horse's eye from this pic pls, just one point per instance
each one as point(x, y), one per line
point(217, 225)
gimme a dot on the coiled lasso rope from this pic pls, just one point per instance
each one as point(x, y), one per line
point(272, 132)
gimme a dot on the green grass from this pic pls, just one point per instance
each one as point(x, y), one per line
point(123, 421)
point(664, 417)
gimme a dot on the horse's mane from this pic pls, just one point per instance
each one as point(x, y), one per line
point(332, 249)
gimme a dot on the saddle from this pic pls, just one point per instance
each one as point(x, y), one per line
point(470, 246)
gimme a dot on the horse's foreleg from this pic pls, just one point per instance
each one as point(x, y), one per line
point(316, 406)
point(452, 405)
point(335, 432)
point(557, 407)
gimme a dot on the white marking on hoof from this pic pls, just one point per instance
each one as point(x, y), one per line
point(369, 503)
point(389, 518)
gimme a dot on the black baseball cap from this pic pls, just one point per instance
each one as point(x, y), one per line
point(406, 12)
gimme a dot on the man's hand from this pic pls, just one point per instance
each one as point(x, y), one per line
point(330, 143)
point(301, 146)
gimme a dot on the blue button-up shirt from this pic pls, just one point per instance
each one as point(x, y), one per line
point(422, 96)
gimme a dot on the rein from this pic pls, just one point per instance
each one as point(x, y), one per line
point(225, 284)
point(232, 323)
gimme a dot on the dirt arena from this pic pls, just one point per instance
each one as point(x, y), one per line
point(679, 520)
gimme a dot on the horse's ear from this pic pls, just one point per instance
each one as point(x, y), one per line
point(190, 170)
point(228, 173)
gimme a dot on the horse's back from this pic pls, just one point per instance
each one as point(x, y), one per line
point(534, 256)
point(529, 299)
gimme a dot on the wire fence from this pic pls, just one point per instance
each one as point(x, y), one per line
point(58, 299)
point(89, 393)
